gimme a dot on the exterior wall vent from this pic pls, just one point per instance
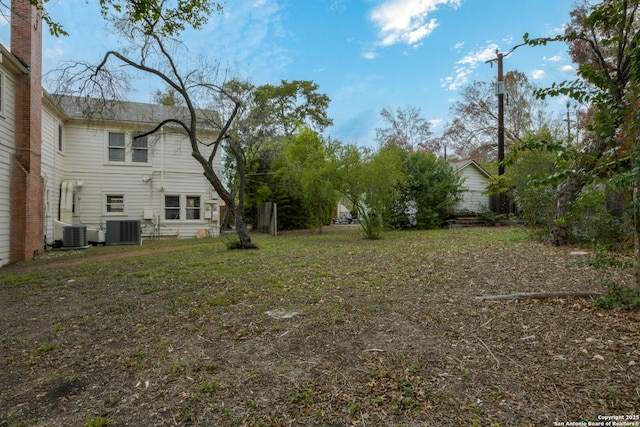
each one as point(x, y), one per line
point(74, 236)
point(123, 233)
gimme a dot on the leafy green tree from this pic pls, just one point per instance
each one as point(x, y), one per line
point(370, 182)
point(530, 166)
point(603, 40)
point(165, 18)
point(270, 114)
point(431, 188)
point(306, 170)
point(294, 104)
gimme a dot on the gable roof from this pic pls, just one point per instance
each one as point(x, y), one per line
point(463, 164)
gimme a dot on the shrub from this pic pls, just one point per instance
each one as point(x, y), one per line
point(619, 298)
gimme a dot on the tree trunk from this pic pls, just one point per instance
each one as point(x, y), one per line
point(567, 194)
point(242, 231)
point(636, 241)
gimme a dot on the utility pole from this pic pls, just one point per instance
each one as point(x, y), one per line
point(500, 92)
point(502, 208)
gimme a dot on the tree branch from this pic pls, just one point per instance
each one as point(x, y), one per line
point(539, 295)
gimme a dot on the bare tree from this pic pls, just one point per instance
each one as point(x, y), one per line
point(207, 105)
point(472, 132)
point(407, 130)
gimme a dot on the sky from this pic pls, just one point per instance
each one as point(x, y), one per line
point(365, 55)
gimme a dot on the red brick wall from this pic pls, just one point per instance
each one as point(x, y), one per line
point(27, 192)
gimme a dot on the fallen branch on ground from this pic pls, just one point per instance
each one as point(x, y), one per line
point(540, 295)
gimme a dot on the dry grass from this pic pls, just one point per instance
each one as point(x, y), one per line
point(385, 333)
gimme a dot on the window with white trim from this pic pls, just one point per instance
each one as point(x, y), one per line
point(171, 207)
point(116, 147)
point(140, 150)
point(192, 208)
point(114, 203)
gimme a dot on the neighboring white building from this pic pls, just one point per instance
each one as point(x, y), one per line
point(476, 180)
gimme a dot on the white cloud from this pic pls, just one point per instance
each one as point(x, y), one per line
point(567, 68)
point(554, 58)
point(484, 54)
point(537, 74)
point(53, 52)
point(369, 55)
point(458, 80)
point(407, 21)
point(467, 64)
point(458, 45)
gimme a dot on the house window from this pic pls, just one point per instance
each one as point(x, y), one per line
point(192, 209)
point(171, 207)
point(115, 203)
point(140, 150)
point(59, 137)
point(116, 147)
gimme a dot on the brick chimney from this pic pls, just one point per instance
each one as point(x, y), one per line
point(27, 193)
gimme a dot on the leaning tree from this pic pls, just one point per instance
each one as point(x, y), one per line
point(153, 52)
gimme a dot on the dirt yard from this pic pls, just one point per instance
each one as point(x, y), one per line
point(316, 330)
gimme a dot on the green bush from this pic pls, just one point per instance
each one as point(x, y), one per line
point(619, 298)
point(598, 217)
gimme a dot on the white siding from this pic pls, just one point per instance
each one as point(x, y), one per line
point(475, 184)
point(52, 169)
point(7, 150)
point(171, 170)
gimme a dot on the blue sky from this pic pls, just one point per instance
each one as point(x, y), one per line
point(364, 54)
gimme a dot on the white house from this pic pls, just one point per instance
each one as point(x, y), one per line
point(476, 180)
point(97, 174)
point(67, 172)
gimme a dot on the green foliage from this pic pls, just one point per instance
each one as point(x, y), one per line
point(603, 259)
point(598, 216)
point(98, 421)
point(370, 182)
point(306, 171)
point(153, 15)
point(48, 347)
point(271, 118)
point(496, 185)
point(528, 177)
point(430, 189)
point(603, 41)
point(209, 387)
point(619, 298)
point(156, 17)
point(294, 104)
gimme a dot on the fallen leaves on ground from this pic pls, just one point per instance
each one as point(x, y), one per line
point(385, 333)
